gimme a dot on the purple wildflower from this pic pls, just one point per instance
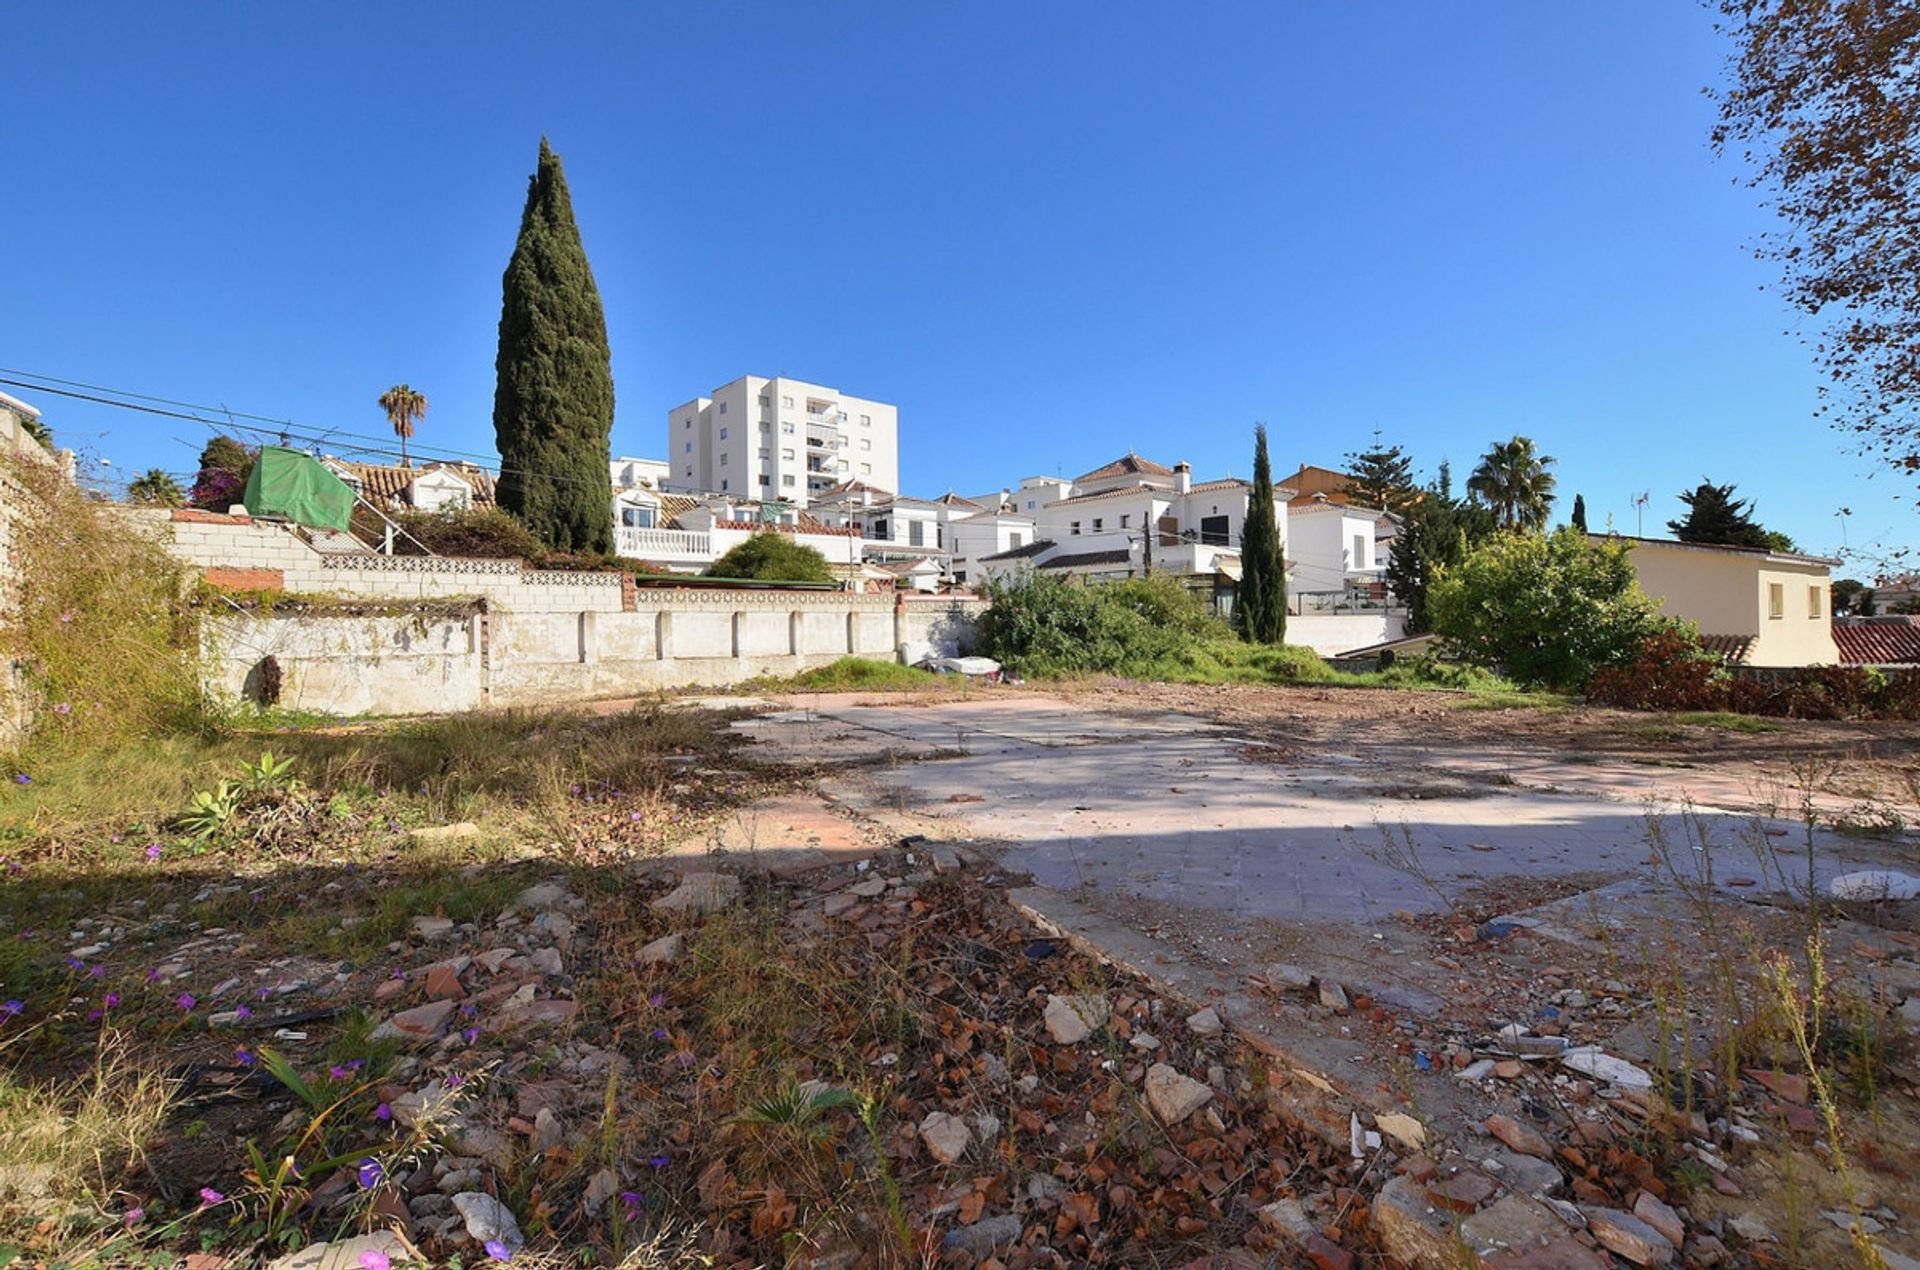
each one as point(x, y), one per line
point(498, 1251)
point(209, 1197)
point(659, 1162)
point(634, 1201)
point(185, 1001)
point(153, 976)
point(243, 1058)
point(96, 972)
point(63, 709)
point(12, 1007)
point(23, 779)
point(383, 1113)
point(470, 1035)
point(659, 1034)
point(374, 1259)
point(263, 994)
point(370, 1173)
point(657, 1000)
point(110, 1000)
point(241, 1012)
point(76, 965)
point(153, 851)
point(135, 1216)
point(338, 1072)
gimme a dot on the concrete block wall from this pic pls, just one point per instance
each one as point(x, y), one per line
point(542, 637)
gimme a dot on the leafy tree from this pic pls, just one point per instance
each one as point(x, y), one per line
point(1437, 531)
point(1512, 480)
point(772, 557)
point(553, 397)
point(156, 488)
point(1545, 609)
point(1263, 568)
point(404, 408)
point(1381, 477)
point(1847, 593)
point(1579, 518)
point(1783, 543)
point(1715, 516)
point(225, 465)
point(1041, 624)
point(1824, 106)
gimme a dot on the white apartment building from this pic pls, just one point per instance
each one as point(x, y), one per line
point(781, 438)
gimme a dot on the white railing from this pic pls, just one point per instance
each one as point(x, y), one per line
point(662, 544)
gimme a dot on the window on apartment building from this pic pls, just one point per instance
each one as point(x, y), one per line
point(1813, 602)
point(637, 517)
point(1776, 600)
point(1013, 540)
point(723, 407)
point(723, 434)
point(959, 576)
point(787, 402)
point(866, 469)
point(687, 422)
point(786, 482)
point(866, 421)
point(688, 448)
point(766, 399)
point(765, 453)
point(688, 472)
point(723, 483)
point(1029, 504)
point(841, 417)
point(1098, 524)
point(1124, 519)
point(786, 456)
point(1359, 551)
point(842, 465)
point(786, 429)
point(765, 426)
point(866, 443)
point(916, 533)
point(1075, 528)
point(1213, 531)
point(723, 459)
point(765, 481)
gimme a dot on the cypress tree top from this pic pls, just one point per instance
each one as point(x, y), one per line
point(553, 396)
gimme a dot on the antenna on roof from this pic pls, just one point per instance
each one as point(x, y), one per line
point(1640, 502)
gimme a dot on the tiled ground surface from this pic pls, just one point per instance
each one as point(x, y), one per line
point(1176, 810)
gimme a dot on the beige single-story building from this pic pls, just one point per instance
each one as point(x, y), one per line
point(1758, 606)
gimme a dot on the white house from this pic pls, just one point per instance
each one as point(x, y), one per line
point(432, 487)
point(1333, 552)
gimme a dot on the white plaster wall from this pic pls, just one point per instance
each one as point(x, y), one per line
point(349, 665)
point(1331, 634)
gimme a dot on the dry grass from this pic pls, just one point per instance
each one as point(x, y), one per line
point(68, 1143)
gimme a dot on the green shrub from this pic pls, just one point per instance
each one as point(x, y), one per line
point(772, 557)
point(862, 674)
point(106, 648)
point(485, 533)
point(1046, 626)
point(1546, 610)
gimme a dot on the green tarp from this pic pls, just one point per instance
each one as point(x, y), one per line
point(290, 485)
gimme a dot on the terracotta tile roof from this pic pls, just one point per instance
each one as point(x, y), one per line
point(951, 499)
point(1141, 488)
point(1128, 464)
point(1877, 641)
point(387, 485)
point(1084, 559)
point(1231, 482)
point(673, 506)
point(1732, 647)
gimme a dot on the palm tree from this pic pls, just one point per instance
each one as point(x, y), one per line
point(1513, 481)
point(403, 406)
point(156, 489)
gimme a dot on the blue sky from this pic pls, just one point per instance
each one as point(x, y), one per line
point(1049, 232)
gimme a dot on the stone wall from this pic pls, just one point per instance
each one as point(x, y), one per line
point(17, 447)
point(533, 637)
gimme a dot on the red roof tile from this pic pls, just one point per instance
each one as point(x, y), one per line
point(1878, 642)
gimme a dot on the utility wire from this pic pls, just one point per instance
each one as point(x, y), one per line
point(272, 428)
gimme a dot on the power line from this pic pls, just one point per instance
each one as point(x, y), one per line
point(286, 430)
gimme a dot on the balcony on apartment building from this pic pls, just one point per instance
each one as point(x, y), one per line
point(665, 545)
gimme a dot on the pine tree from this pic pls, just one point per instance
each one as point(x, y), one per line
point(1381, 478)
point(553, 397)
point(1715, 516)
point(1580, 512)
point(1263, 567)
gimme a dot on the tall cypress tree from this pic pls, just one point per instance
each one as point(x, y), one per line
point(1579, 520)
point(1263, 566)
point(553, 393)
